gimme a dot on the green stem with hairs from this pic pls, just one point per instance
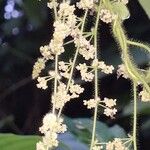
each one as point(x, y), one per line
point(133, 71)
point(96, 78)
point(56, 64)
point(55, 81)
point(139, 44)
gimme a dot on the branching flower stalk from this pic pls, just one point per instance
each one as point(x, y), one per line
point(75, 59)
point(68, 24)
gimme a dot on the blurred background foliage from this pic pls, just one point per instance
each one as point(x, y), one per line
point(25, 25)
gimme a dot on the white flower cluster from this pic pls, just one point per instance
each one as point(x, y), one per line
point(46, 53)
point(101, 65)
point(60, 33)
point(107, 104)
point(51, 4)
point(122, 71)
point(85, 75)
point(75, 90)
point(145, 96)
point(109, 109)
point(62, 96)
point(38, 67)
point(96, 146)
point(51, 127)
point(85, 48)
point(64, 69)
point(42, 83)
point(116, 144)
point(106, 15)
point(85, 4)
point(88, 75)
point(92, 103)
point(63, 27)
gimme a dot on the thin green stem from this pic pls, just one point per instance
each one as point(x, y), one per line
point(96, 78)
point(56, 64)
point(55, 9)
point(55, 81)
point(135, 118)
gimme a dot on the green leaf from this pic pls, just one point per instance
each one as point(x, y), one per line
point(82, 129)
point(18, 142)
point(22, 142)
point(146, 6)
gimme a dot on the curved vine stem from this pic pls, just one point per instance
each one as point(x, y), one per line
point(139, 44)
point(135, 75)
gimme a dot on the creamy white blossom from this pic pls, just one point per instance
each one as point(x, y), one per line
point(110, 112)
point(85, 75)
point(75, 90)
point(145, 96)
point(122, 71)
point(38, 67)
point(42, 83)
point(106, 16)
point(109, 102)
point(102, 66)
point(61, 97)
point(116, 144)
point(45, 51)
point(51, 127)
point(86, 49)
point(85, 4)
point(92, 103)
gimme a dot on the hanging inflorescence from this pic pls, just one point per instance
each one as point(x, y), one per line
point(68, 24)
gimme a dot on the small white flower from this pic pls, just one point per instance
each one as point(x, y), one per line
point(87, 76)
point(75, 90)
point(42, 83)
point(40, 146)
point(122, 71)
point(106, 16)
point(38, 67)
point(109, 102)
point(45, 51)
point(145, 96)
point(110, 112)
point(85, 4)
point(116, 144)
point(92, 103)
point(50, 128)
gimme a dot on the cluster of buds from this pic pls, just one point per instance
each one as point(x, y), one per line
point(107, 104)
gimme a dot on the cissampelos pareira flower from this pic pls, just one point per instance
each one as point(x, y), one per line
point(68, 25)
